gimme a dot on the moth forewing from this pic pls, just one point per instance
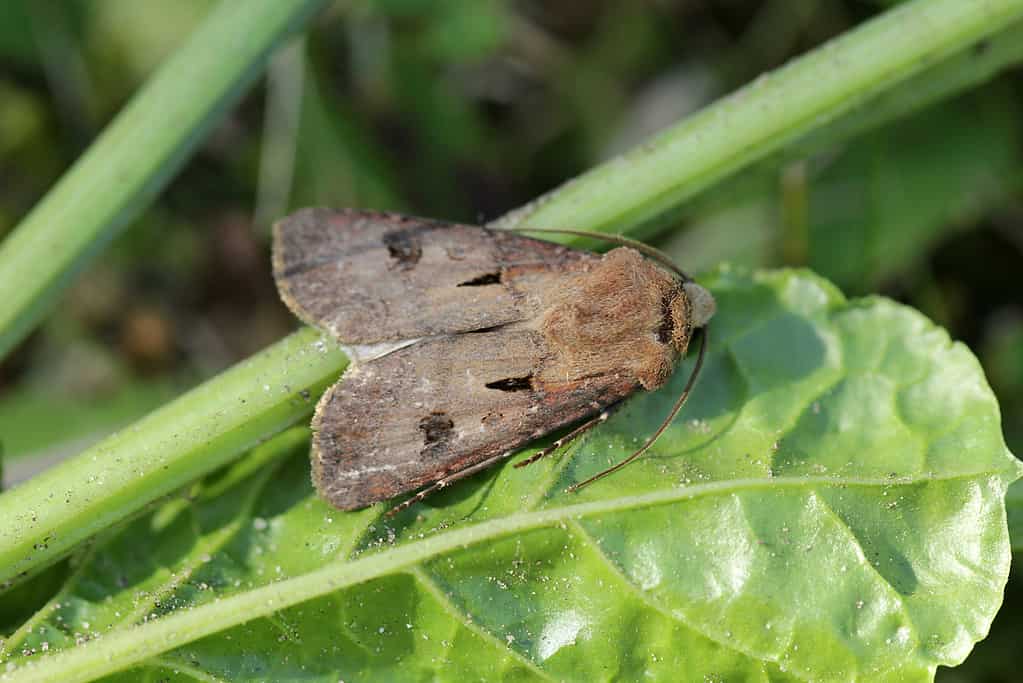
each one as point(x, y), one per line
point(471, 342)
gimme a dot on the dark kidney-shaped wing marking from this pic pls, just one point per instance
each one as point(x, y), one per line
point(407, 419)
point(371, 277)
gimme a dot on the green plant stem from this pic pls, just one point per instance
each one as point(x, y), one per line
point(207, 427)
point(48, 515)
point(766, 115)
point(137, 155)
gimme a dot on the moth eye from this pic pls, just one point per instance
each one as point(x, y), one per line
point(485, 279)
point(512, 384)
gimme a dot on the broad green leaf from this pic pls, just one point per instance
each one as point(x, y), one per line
point(998, 656)
point(830, 507)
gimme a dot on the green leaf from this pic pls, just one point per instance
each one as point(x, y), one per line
point(998, 656)
point(829, 507)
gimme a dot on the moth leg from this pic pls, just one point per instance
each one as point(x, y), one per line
point(447, 481)
point(572, 435)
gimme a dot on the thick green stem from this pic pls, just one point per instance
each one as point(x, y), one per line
point(43, 518)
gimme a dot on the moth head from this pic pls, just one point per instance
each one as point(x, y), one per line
point(688, 310)
point(701, 304)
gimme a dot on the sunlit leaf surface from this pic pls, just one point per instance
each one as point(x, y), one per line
point(830, 507)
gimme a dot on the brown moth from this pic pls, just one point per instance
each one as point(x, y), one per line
point(467, 343)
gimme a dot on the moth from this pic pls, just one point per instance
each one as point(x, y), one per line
point(467, 343)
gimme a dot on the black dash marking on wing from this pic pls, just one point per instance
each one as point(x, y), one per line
point(512, 384)
point(485, 279)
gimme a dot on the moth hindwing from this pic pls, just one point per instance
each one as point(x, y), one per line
point(468, 342)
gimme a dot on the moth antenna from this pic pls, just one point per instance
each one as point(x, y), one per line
point(621, 240)
point(664, 425)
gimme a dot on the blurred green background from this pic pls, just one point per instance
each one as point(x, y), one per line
point(463, 110)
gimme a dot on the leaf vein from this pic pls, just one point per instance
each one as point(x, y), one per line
point(430, 585)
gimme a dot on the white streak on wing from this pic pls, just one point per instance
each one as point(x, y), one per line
point(360, 353)
point(352, 474)
point(362, 471)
